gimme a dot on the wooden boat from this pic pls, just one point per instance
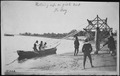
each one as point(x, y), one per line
point(31, 54)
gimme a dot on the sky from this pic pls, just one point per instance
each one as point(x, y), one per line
point(54, 16)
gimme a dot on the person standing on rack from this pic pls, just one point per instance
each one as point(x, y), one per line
point(76, 45)
point(87, 49)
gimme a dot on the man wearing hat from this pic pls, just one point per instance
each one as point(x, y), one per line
point(87, 49)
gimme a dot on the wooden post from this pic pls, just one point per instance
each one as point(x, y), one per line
point(97, 40)
point(97, 26)
point(97, 44)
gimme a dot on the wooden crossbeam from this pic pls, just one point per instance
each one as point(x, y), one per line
point(102, 25)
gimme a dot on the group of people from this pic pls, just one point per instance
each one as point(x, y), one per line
point(87, 48)
point(39, 47)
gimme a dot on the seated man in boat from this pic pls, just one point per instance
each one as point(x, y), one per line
point(35, 46)
point(45, 45)
point(41, 46)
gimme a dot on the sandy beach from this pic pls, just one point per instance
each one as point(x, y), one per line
point(67, 64)
point(62, 63)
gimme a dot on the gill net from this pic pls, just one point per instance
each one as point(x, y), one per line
point(56, 42)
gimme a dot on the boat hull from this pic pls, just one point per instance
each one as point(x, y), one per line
point(31, 54)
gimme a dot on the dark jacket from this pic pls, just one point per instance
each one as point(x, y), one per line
point(87, 48)
point(111, 43)
point(76, 43)
point(35, 46)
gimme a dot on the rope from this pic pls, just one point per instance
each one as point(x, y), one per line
point(57, 45)
point(11, 62)
point(105, 35)
point(71, 34)
point(101, 48)
point(66, 37)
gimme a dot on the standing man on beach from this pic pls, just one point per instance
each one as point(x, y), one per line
point(87, 49)
point(76, 45)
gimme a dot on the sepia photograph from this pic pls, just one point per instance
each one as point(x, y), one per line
point(59, 38)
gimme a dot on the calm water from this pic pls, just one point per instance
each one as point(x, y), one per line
point(10, 45)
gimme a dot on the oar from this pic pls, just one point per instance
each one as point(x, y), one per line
point(57, 45)
point(11, 62)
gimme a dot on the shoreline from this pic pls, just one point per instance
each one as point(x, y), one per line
point(52, 37)
point(68, 64)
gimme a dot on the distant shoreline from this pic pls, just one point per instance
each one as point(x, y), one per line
point(52, 37)
point(80, 39)
point(40, 36)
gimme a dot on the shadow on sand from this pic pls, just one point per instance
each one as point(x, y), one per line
point(26, 59)
point(101, 66)
point(80, 54)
